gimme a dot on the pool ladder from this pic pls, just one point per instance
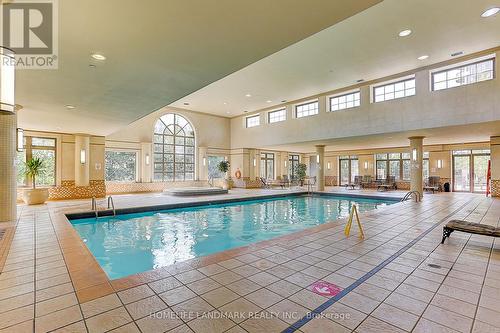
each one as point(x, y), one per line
point(416, 194)
point(111, 205)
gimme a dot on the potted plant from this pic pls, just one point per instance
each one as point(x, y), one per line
point(301, 173)
point(223, 167)
point(32, 169)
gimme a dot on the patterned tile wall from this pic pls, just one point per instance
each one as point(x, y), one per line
point(115, 187)
point(495, 187)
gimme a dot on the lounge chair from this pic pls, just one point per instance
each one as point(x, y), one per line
point(367, 181)
point(357, 182)
point(388, 184)
point(469, 227)
point(433, 184)
point(264, 182)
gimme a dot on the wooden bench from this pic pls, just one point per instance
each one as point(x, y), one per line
point(469, 227)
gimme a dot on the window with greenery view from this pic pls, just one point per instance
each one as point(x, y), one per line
point(213, 170)
point(44, 149)
point(174, 148)
point(120, 166)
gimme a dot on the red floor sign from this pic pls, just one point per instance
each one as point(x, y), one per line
point(324, 288)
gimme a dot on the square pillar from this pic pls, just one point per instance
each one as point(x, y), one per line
point(416, 164)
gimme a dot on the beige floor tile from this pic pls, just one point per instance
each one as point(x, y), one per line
point(24, 327)
point(240, 310)
point(488, 316)
point(243, 287)
point(145, 307)
point(165, 284)
point(460, 294)
point(190, 276)
point(108, 320)
point(415, 292)
point(344, 315)
point(395, 316)
point(284, 288)
point(135, 294)
point(301, 279)
point(16, 316)
point(16, 302)
point(177, 295)
point(448, 318)
point(374, 292)
point(183, 329)
point(129, 328)
point(220, 296)
point(55, 304)
point(374, 325)
point(162, 321)
point(281, 271)
point(78, 327)
point(406, 303)
point(359, 302)
point(246, 270)
point(480, 327)
point(263, 279)
point(212, 269)
point(288, 311)
point(230, 263)
point(264, 323)
point(58, 319)
point(427, 326)
point(455, 305)
point(51, 292)
point(264, 298)
point(226, 277)
point(209, 325)
point(100, 305)
point(192, 308)
point(204, 285)
point(323, 325)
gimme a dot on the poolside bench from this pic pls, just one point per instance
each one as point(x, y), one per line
point(470, 227)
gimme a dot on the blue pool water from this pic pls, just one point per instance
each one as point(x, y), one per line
point(133, 243)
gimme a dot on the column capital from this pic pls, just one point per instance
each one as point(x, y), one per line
point(416, 137)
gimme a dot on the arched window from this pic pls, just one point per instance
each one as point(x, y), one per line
point(173, 142)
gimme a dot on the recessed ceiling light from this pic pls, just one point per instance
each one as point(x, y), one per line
point(248, 95)
point(98, 56)
point(269, 101)
point(225, 103)
point(228, 112)
point(92, 66)
point(70, 107)
point(405, 33)
point(457, 53)
point(490, 12)
point(423, 57)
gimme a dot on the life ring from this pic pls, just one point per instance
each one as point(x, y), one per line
point(238, 174)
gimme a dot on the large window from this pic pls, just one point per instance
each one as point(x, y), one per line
point(394, 90)
point(174, 149)
point(267, 165)
point(346, 101)
point(463, 75)
point(293, 163)
point(121, 166)
point(306, 109)
point(213, 167)
point(276, 116)
point(44, 149)
point(393, 164)
point(425, 165)
point(253, 121)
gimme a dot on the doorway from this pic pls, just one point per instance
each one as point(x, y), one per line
point(469, 170)
point(348, 168)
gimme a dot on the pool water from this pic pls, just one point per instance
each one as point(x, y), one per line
point(132, 243)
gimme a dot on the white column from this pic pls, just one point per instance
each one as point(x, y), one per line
point(82, 158)
point(416, 154)
point(8, 184)
point(320, 169)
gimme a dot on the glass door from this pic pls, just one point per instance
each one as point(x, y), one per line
point(480, 169)
point(344, 172)
point(461, 173)
point(354, 169)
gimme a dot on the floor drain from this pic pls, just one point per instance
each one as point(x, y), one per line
point(433, 266)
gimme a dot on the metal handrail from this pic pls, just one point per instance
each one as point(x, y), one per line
point(94, 206)
point(211, 181)
point(407, 196)
point(111, 204)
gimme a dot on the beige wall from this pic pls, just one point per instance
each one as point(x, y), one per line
point(464, 105)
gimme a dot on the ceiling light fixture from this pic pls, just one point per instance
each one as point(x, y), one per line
point(490, 12)
point(70, 107)
point(423, 57)
point(269, 101)
point(248, 95)
point(405, 33)
point(92, 66)
point(98, 56)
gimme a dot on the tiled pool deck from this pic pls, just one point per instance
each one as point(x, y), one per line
point(51, 282)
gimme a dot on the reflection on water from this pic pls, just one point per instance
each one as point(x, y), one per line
point(134, 243)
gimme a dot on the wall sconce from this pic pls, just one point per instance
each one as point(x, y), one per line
point(414, 154)
point(254, 162)
point(285, 163)
point(328, 165)
point(83, 156)
point(147, 159)
point(225, 158)
point(20, 139)
point(317, 159)
point(366, 165)
point(440, 164)
point(7, 81)
point(204, 161)
point(98, 166)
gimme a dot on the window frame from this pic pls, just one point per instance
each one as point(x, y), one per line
point(459, 66)
point(136, 166)
point(279, 117)
point(394, 83)
point(28, 150)
point(256, 116)
point(304, 104)
point(356, 92)
point(293, 159)
point(388, 161)
point(265, 156)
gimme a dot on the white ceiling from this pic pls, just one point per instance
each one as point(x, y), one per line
point(469, 133)
point(365, 46)
point(157, 52)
